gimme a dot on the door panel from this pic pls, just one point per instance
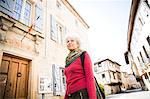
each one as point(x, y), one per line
point(22, 83)
point(12, 79)
point(3, 75)
point(4, 65)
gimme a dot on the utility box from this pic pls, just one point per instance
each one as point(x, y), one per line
point(44, 84)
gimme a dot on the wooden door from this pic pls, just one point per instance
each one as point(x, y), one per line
point(16, 71)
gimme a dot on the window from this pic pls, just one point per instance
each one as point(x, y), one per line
point(144, 10)
point(58, 4)
point(147, 3)
point(57, 31)
point(140, 21)
point(27, 13)
point(138, 59)
point(99, 65)
point(39, 18)
point(146, 77)
point(103, 75)
point(141, 57)
point(18, 8)
point(22, 11)
point(95, 69)
point(114, 75)
point(148, 40)
point(7, 6)
point(143, 13)
point(119, 76)
point(60, 33)
point(145, 52)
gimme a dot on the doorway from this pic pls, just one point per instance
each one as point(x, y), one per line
point(14, 74)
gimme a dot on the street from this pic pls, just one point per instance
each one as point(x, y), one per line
point(131, 94)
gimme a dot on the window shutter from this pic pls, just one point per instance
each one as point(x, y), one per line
point(148, 40)
point(56, 80)
point(39, 21)
point(53, 29)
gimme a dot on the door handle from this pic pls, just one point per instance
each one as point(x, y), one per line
point(19, 74)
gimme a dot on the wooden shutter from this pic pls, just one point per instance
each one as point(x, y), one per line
point(53, 28)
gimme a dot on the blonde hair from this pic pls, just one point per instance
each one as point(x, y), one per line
point(75, 37)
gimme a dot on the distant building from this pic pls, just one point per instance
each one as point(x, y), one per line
point(108, 74)
point(138, 52)
point(32, 47)
point(129, 81)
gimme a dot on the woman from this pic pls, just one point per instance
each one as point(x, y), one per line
point(80, 84)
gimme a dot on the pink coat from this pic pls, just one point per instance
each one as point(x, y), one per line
point(78, 79)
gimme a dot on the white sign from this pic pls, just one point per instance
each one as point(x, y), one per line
point(44, 85)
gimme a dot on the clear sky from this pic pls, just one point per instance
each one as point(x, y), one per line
point(108, 21)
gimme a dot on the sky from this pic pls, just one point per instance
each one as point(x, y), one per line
point(108, 21)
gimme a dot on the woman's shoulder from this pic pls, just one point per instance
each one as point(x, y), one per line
point(84, 52)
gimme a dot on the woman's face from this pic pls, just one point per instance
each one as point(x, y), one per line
point(72, 44)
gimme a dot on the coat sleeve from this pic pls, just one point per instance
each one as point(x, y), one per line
point(89, 76)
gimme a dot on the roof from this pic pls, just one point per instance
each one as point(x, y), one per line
point(99, 62)
point(133, 11)
point(73, 11)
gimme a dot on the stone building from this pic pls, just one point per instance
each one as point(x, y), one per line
point(32, 46)
point(138, 52)
point(129, 82)
point(108, 74)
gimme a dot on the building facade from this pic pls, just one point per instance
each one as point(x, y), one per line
point(138, 53)
point(108, 74)
point(32, 46)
